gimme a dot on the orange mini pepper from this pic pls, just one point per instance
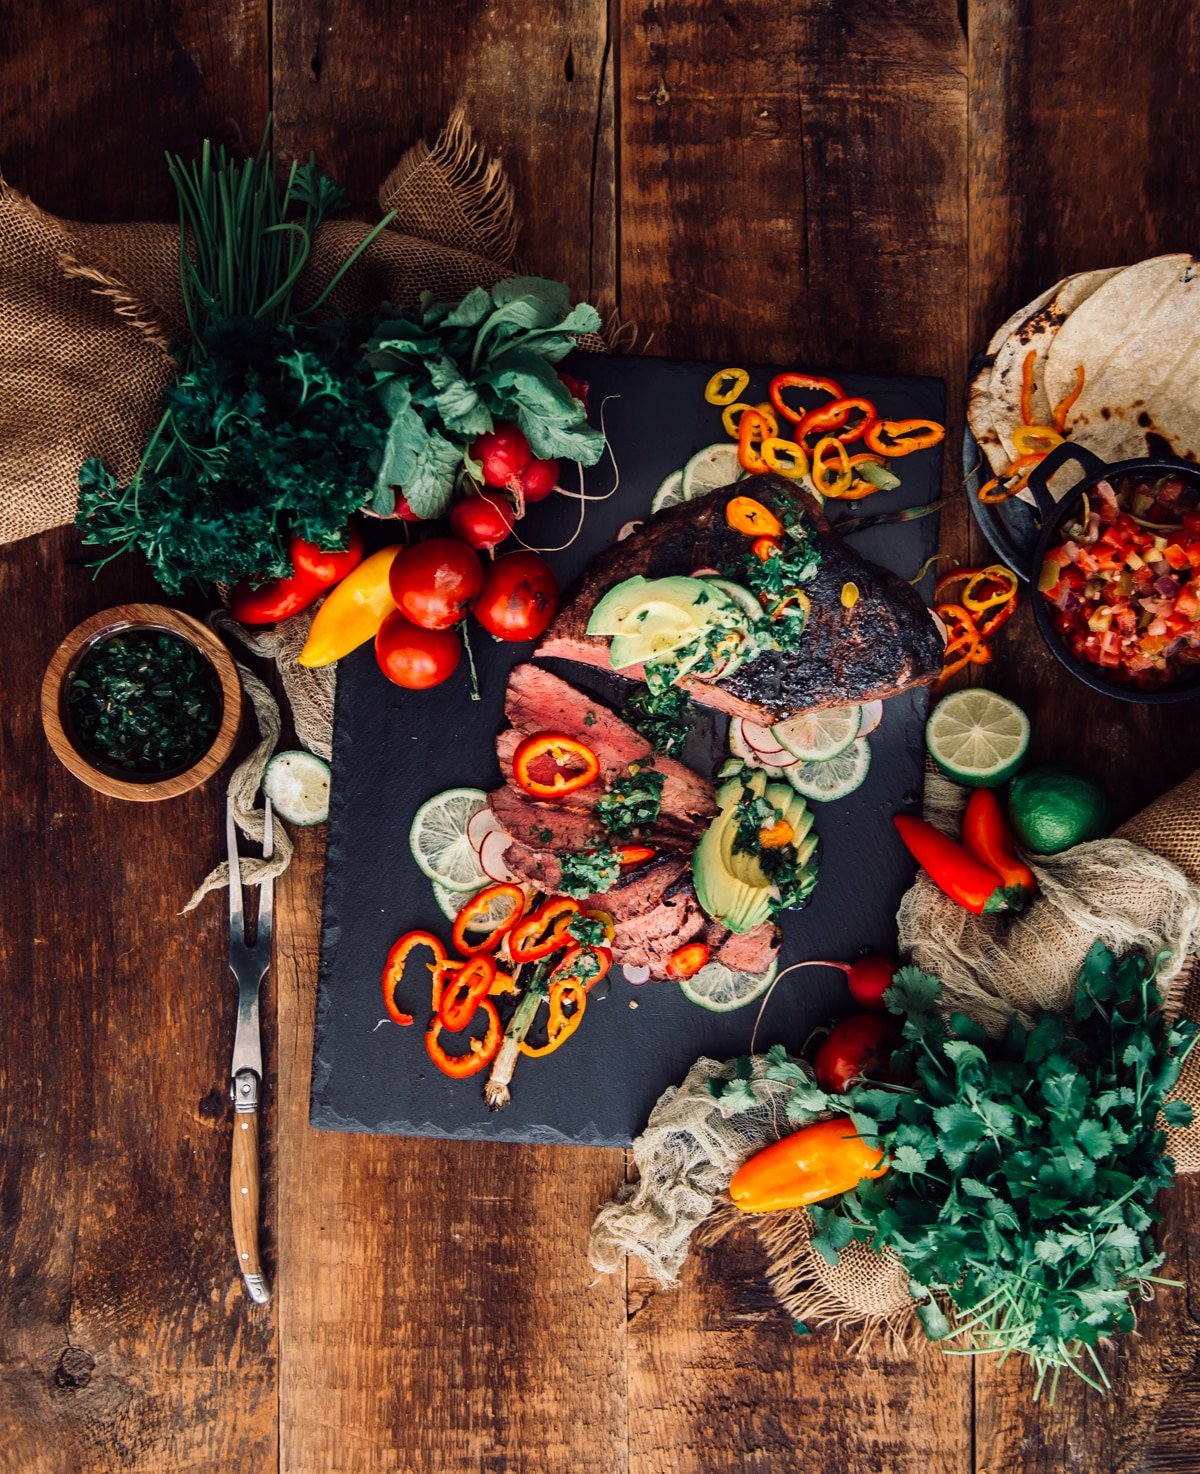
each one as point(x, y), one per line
point(563, 752)
point(902, 437)
point(478, 906)
point(744, 514)
point(393, 969)
point(814, 1163)
point(752, 431)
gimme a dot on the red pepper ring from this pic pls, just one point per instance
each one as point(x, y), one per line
point(800, 381)
point(562, 750)
point(635, 854)
point(560, 1025)
point(584, 964)
point(902, 437)
point(458, 1001)
point(832, 418)
point(393, 969)
point(480, 905)
point(546, 930)
point(686, 961)
point(752, 430)
point(479, 1055)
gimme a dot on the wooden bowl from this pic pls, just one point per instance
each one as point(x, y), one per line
point(68, 656)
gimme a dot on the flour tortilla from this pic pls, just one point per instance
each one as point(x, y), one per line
point(1138, 337)
point(1037, 334)
point(981, 409)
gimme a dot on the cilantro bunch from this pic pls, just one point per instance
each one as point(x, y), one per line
point(1023, 1171)
point(271, 430)
point(450, 372)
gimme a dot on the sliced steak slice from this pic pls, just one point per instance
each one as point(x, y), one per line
point(752, 951)
point(540, 702)
point(556, 827)
point(885, 643)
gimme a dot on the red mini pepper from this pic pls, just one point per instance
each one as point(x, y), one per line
point(987, 835)
point(634, 854)
point(952, 868)
point(902, 437)
point(480, 1053)
point(393, 969)
point(480, 905)
point(800, 381)
point(687, 960)
point(834, 419)
point(460, 996)
point(313, 571)
point(546, 930)
point(556, 751)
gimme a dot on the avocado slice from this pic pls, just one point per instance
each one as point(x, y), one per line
point(697, 600)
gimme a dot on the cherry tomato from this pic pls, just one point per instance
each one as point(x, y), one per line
point(415, 658)
point(435, 582)
point(482, 519)
point(538, 480)
point(519, 597)
point(859, 1045)
point(503, 453)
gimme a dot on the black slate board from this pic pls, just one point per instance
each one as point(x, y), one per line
point(393, 749)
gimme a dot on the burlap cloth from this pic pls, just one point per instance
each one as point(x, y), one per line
point(1139, 888)
point(87, 312)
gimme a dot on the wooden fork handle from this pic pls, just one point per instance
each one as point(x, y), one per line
point(245, 1192)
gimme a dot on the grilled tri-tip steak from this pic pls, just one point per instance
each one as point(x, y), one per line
point(653, 906)
point(886, 642)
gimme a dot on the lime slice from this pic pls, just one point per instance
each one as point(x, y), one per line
point(297, 783)
point(439, 842)
point(832, 778)
point(816, 736)
point(670, 493)
point(710, 469)
point(721, 990)
point(977, 737)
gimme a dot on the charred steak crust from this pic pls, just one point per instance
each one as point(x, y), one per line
point(885, 643)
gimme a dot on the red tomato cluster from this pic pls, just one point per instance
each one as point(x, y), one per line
point(435, 584)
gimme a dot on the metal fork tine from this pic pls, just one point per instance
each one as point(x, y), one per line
point(266, 893)
point(237, 929)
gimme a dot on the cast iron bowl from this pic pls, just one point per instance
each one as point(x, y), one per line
point(1054, 514)
point(59, 728)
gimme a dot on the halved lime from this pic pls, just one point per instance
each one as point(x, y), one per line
point(832, 778)
point(669, 493)
point(719, 989)
point(711, 468)
point(977, 737)
point(439, 842)
point(816, 736)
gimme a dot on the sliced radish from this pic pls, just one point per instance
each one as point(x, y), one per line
point(705, 573)
point(762, 740)
point(636, 975)
point(872, 715)
point(627, 529)
point(491, 856)
point(479, 826)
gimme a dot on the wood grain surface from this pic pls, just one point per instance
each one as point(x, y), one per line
point(841, 184)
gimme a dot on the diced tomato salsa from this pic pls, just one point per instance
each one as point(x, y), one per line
point(1125, 581)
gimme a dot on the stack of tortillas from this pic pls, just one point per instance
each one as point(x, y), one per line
point(1135, 331)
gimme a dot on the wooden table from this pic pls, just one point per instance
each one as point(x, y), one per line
point(840, 185)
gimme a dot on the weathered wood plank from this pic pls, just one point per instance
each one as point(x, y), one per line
point(435, 1300)
point(792, 188)
point(125, 1339)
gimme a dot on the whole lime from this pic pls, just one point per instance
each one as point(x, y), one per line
point(1054, 806)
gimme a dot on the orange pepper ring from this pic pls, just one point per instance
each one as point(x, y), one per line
point(482, 901)
point(456, 1009)
point(744, 514)
point(560, 1025)
point(393, 969)
point(479, 1055)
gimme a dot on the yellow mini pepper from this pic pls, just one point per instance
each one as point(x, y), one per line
point(352, 612)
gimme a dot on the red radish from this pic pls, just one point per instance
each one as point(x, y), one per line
point(491, 857)
point(860, 1047)
point(705, 573)
point(538, 480)
point(482, 519)
point(479, 826)
point(872, 715)
point(636, 975)
point(503, 453)
point(627, 529)
point(404, 511)
point(577, 388)
point(868, 979)
point(761, 739)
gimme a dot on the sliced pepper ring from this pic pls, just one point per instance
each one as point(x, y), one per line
point(560, 1025)
point(806, 382)
point(546, 930)
point(480, 905)
point(393, 969)
point(725, 385)
point(479, 1055)
point(745, 514)
point(459, 998)
point(785, 457)
point(752, 431)
point(563, 752)
point(687, 960)
point(834, 418)
point(902, 437)
point(831, 480)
